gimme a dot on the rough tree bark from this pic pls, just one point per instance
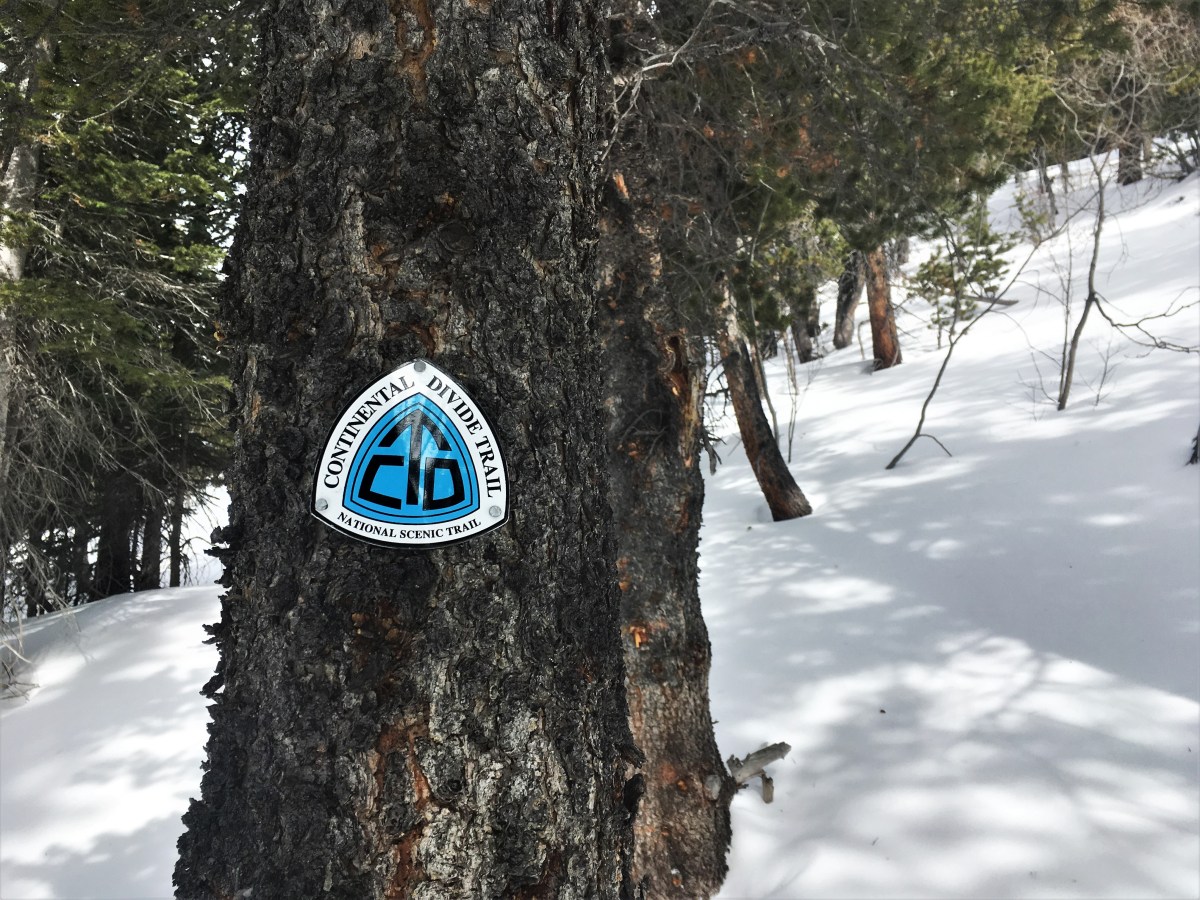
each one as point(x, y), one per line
point(655, 388)
point(445, 723)
point(850, 288)
point(885, 344)
point(783, 495)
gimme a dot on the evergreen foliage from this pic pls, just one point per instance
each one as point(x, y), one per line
point(132, 113)
point(785, 134)
point(971, 269)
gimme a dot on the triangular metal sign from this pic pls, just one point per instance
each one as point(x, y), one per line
point(412, 462)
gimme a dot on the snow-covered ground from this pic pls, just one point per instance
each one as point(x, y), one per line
point(987, 665)
point(97, 766)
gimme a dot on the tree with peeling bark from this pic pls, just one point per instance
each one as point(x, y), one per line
point(654, 363)
point(423, 723)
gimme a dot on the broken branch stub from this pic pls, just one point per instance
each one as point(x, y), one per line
point(755, 764)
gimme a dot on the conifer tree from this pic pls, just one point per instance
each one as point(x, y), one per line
point(119, 152)
point(426, 722)
point(654, 365)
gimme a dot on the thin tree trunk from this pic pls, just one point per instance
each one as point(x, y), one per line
point(885, 344)
point(80, 563)
point(1068, 375)
point(850, 288)
point(655, 371)
point(8, 367)
point(175, 540)
point(1045, 181)
point(1068, 371)
point(425, 723)
point(783, 495)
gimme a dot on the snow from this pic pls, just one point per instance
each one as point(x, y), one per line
point(97, 765)
point(987, 664)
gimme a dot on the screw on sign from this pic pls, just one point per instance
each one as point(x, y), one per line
point(412, 462)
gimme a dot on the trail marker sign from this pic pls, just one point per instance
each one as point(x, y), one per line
point(412, 462)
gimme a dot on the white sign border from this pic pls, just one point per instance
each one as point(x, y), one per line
point(417, 373)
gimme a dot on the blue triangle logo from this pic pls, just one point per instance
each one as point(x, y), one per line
point(412, 468)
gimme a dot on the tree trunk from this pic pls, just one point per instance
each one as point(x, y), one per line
point(8, 368)
point(175, 540)
point(18, 186)
point(18, 189)
point(425, 723)
point(806, 323)
point(783, 495)
point(1046, 181)
point(655, 387)
point(1067, 376)
point(81, 567)
point(884, 342)
point(1129, 161)
point(850, 287)
point(150, 569)
point(115, 561)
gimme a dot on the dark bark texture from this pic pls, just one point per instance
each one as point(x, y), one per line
point(850, 288)
point(779, 488)
point(149, 574)
point(885, 343)
point(175, 540)
point(441, 723)
point(655, 371)
point(116, 565)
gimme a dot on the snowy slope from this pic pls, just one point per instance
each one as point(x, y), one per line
point(988, 665)
point(97, 765)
